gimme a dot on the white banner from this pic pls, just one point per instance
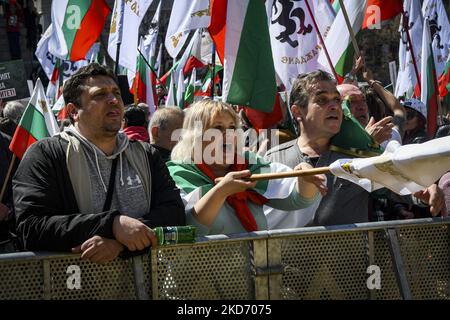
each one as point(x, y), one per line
point(294, 39)
point(127, 32)
point(185, 16)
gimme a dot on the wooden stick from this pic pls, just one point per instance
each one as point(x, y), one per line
point(8, 174)
point(281, 175)
point(322, 41)
point(350, 29)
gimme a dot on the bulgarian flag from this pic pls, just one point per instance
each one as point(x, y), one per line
point(142, 86)
point(428, 81)
point(205, 89)
point(189, 93)
point(240, 32)
point(37, 122)
point(338, 40)
point(77, 24)
point(444, 80)
point(265, 120)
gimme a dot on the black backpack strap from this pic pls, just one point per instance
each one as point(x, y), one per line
point(112, 179)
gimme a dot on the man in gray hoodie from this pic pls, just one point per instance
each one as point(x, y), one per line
point(90, 190)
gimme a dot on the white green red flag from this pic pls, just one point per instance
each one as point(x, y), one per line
point(296, 49)
point(37, 122)
point(338, 41)
point(185, 16)
point(77, 24)
point(428, 80)
point(402, 169)
point(444, 80)
point(241, 34)
point(434, 10)
point(189, 93)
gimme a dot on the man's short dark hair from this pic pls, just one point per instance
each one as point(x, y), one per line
point(300, 89)
point(134, 116)
point(74, 87)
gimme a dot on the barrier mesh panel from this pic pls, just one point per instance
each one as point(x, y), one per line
point(111, 281)
point(382, 258)
point(21, 280)
point(326, 266)
point(425, 252)
point(205, 271)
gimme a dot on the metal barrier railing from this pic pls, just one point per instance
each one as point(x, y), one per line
point(383, 260)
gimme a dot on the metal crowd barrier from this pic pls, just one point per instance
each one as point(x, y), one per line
point(383, 260)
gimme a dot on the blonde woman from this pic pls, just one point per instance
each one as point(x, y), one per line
point(207, 150)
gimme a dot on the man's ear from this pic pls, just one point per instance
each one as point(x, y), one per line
point(155, 132)
point(72, 111)
point(296, 112)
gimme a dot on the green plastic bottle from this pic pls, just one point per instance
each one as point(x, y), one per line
point(174, 235)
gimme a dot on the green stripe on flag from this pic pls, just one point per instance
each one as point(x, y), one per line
point(75, 12)
point(34, 122)
point(345, 63)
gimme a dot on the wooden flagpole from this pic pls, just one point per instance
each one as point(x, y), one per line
point(321, 40)
point(281, 175)
point(350, 29)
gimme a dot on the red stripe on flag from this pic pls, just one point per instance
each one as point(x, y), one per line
point(444, 82)
point(265, 120)
point(388, 9)
point(20, 142)
point(217, 26)
point(90, 29)
point(192, 63)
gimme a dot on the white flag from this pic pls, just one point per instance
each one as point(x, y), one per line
point(407, 77)
point(180, 90)
point(125, 28)
point(185, 16)
point(48, 61)
point(440, 32)
point(402, 169)
point(294, 39)
point(158, 63)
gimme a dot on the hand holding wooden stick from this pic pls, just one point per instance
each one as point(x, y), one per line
point(289, 174)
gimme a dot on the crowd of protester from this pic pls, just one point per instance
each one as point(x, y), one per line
point(115, 172)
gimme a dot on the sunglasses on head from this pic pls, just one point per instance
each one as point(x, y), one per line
point(410, 115)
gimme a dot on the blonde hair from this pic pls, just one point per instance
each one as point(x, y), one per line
point(204, 112)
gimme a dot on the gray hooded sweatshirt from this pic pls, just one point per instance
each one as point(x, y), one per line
point(131, 194)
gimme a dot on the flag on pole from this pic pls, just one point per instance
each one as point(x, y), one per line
point(205, 89)
point(142, 85)
point(402, 169)
point(242, 39)
point(125, 29)
point(407, 78)
point(189, 94)
point(296, 48)
point(48, 61)
point(54, 84)
point(265, 120)
point(378, 11)
point(338, 41)
point(77, 25)
point(434, 10)
point(180, 90)
point(428, 81)
point(37, 122)
point(170, 100)
point(444, 80)
point(185, 16)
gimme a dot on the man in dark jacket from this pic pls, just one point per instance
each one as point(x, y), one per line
point(89, 190)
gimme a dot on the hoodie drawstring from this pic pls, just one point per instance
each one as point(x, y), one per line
point(121, 172)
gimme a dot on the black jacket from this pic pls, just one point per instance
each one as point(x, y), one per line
point(47, 214)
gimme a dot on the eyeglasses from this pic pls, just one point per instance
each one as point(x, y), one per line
point(410, 115)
